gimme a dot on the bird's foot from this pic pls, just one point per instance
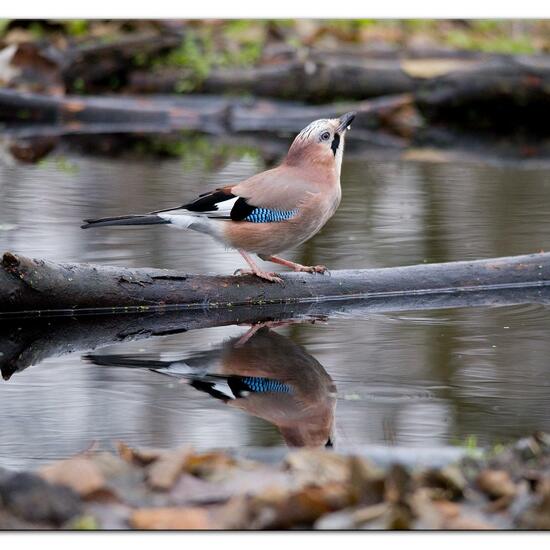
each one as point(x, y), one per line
point(271, 277)
point(311, 268)
point(293, 265)
point(255, 327)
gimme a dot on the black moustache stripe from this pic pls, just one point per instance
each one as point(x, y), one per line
point(335, 143)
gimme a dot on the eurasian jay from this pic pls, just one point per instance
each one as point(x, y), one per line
point(263, 374)
point(271, 211)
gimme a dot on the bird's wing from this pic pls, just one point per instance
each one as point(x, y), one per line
point(282, 188)
point(272, 196)
point(214, 204)
point(238, 387)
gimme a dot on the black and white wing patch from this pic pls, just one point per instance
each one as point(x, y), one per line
point(222, 204)
point(216, 204)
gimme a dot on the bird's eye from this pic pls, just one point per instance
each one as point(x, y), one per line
point(325, 136)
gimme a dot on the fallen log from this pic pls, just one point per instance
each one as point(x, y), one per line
point(476, 96)
point(468, 90)
point(208, 114)
point(464, 88)
point(39, 286)
point(93, 65)
point(319, 75)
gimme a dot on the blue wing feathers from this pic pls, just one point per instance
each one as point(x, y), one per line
point(266, 215)
point(265, 385)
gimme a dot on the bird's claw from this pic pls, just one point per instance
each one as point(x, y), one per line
point(271, 277)
point(313, 269)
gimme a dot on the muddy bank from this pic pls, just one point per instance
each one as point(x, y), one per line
point(501, 488)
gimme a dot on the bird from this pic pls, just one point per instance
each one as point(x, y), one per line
point(269, 212)
point(262, 373)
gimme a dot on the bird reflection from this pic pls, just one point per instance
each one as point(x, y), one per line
point(262, 373)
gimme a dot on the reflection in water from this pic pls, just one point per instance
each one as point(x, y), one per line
point(261, 373)
point(417, 378)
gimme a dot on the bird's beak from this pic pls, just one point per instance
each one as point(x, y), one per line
point(345, 121)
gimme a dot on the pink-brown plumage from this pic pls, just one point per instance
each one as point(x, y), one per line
point(271, 238)
point(271, 211)
point(304, 417)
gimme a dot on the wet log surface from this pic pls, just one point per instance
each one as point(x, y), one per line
point(40, 286)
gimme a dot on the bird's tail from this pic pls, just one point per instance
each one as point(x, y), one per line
point(224, 387)
point(216, 386)
point(145, 219)
point(125, 361)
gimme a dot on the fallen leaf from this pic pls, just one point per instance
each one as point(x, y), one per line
point(366, 481)
point(398, 484)
point(496, 484)
point(352, 518)
point(466, 523)
point(110, 465)
point(213, 466)
point(192, 490)
point(448, 510)
point(170, 518)
point(448, 480)
point(234, 514)
point(538, 515)
point(140, 456)
point(78, 473)
point(278, 509)
point(317, 466)
point(165, 471)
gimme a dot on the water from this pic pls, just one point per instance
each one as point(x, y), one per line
point(417, 378)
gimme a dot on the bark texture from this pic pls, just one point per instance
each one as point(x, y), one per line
point(29, 285)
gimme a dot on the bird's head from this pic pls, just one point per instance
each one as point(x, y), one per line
point(321, 144)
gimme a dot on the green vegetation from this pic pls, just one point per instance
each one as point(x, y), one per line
point(60, 163)
point(206, 47)
point(195, 151)
point(497, 44)
point(77, 27)
point(239, 42)
point(84, 523)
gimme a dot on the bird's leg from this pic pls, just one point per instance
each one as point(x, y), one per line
point(255, 270)
point(276, 324)
point(293, 265)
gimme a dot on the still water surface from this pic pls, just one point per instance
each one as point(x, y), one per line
point(409, 378)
